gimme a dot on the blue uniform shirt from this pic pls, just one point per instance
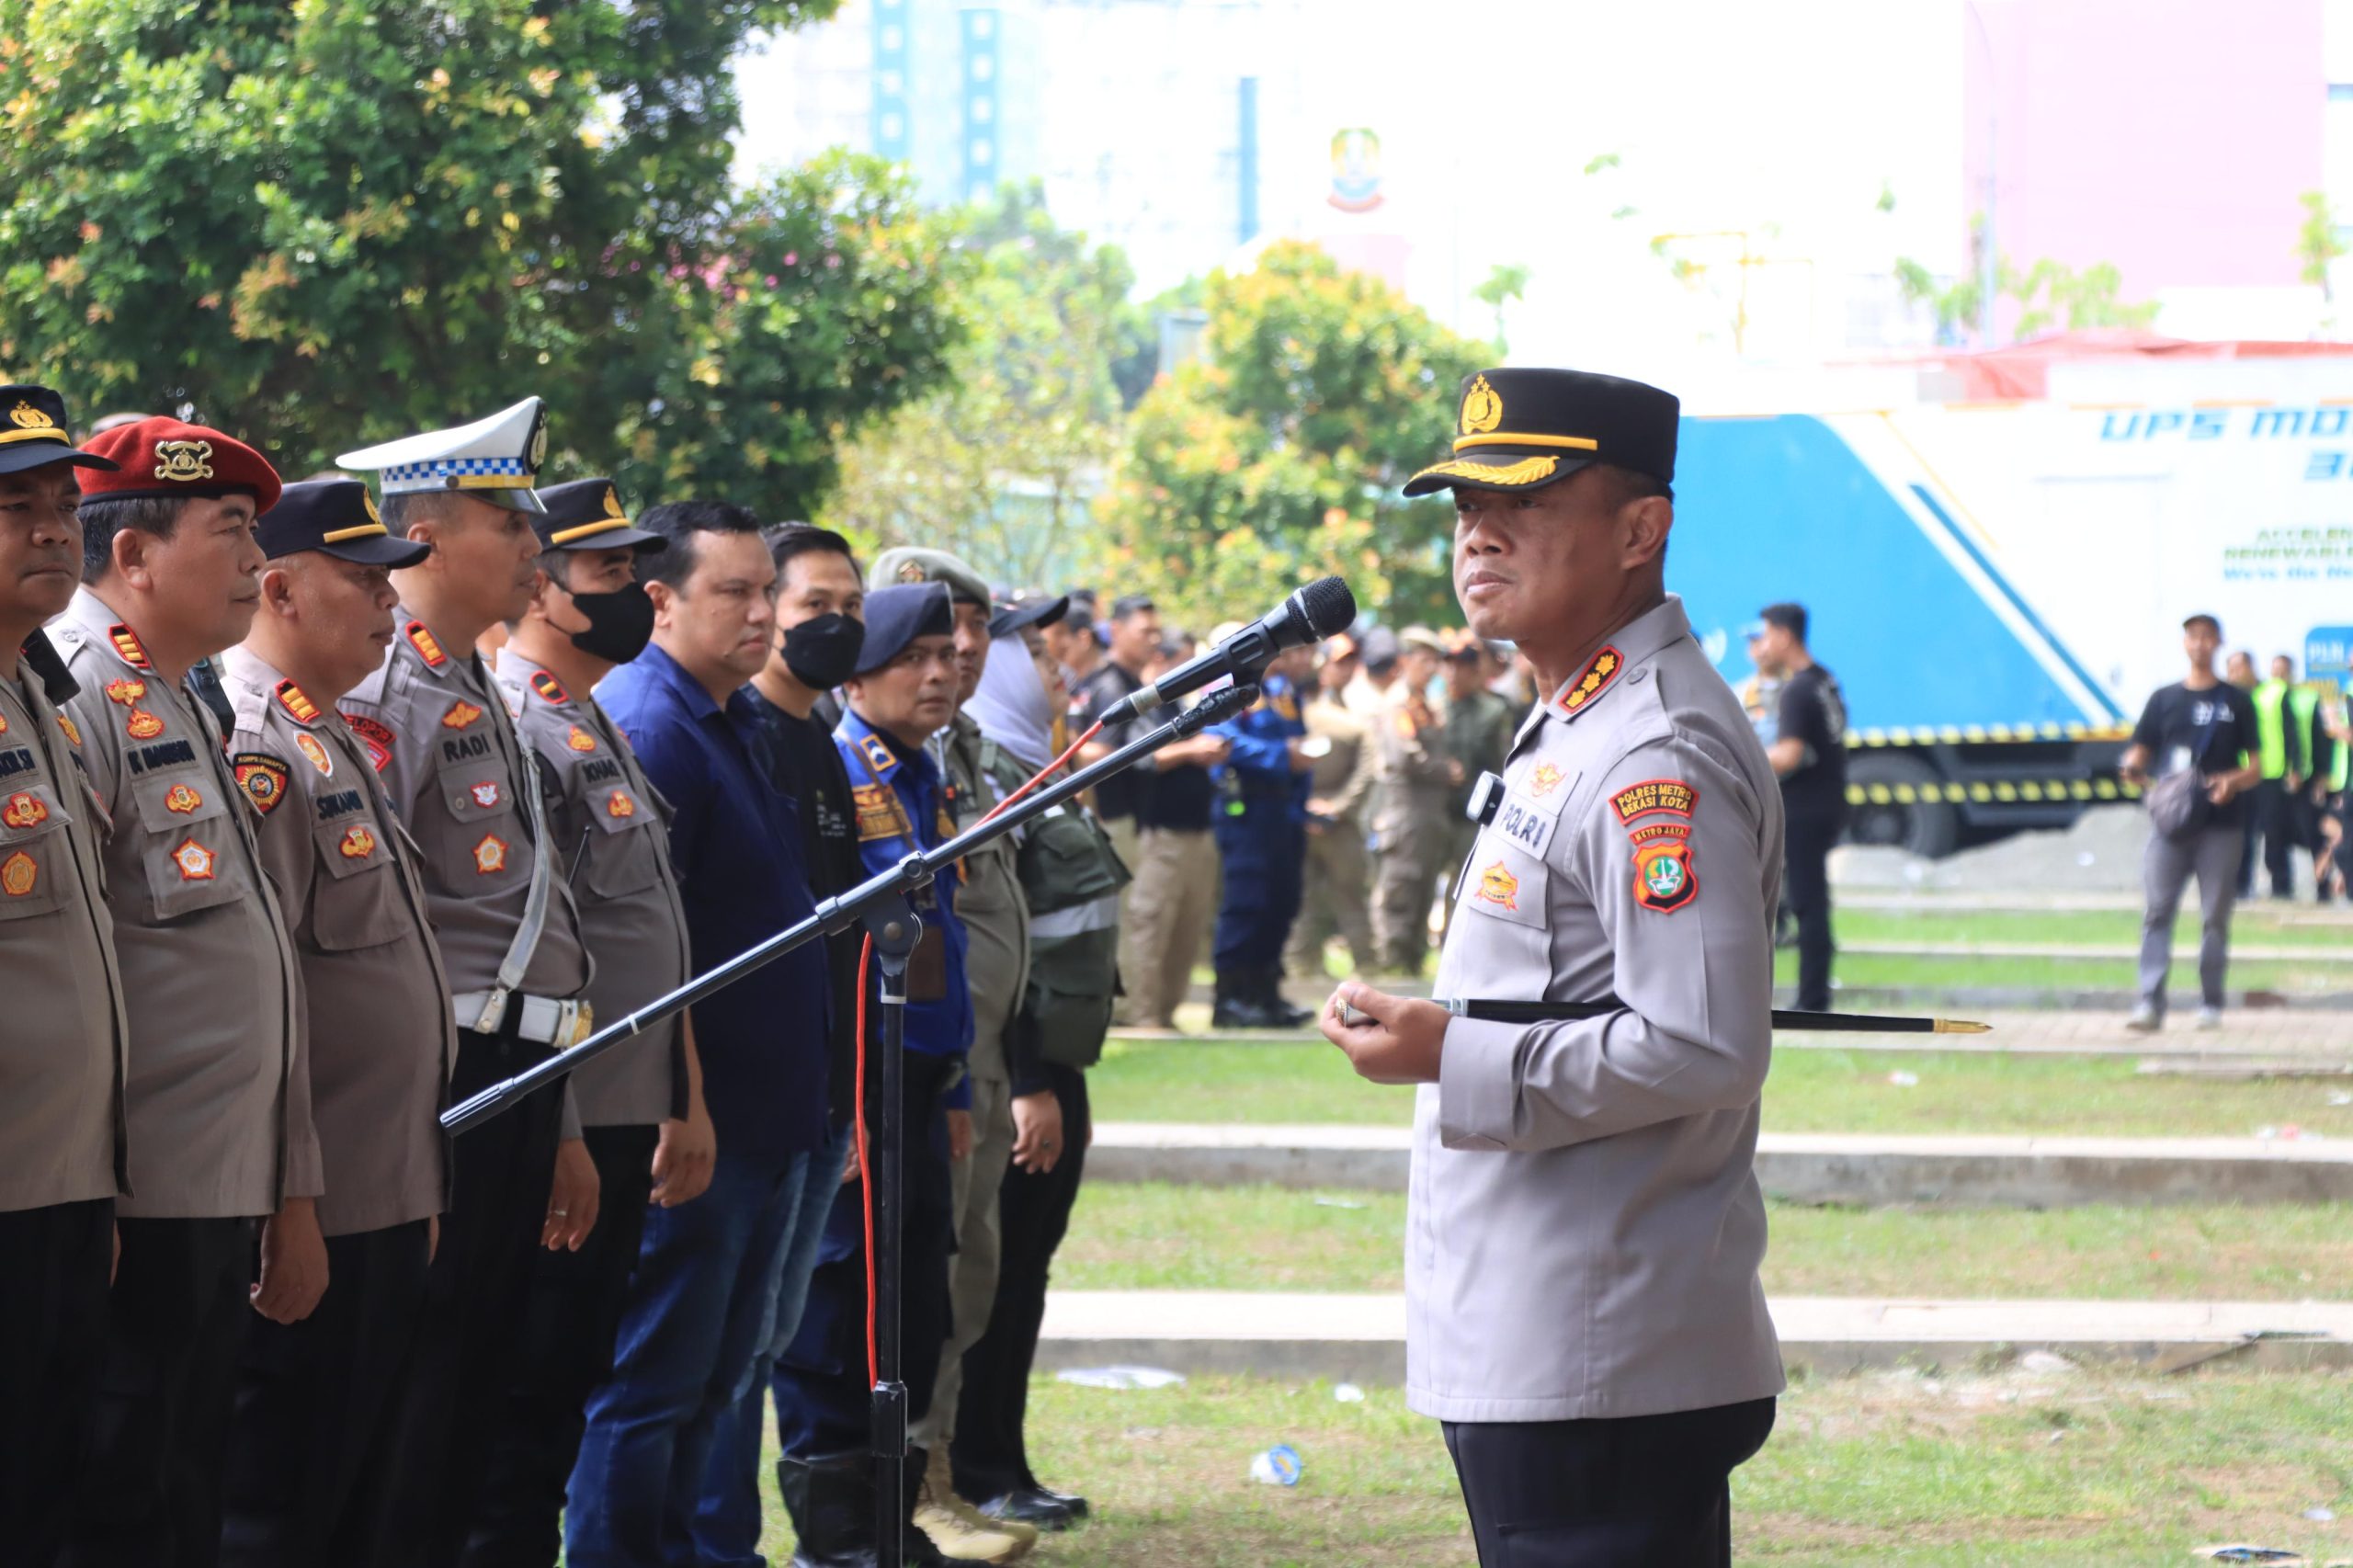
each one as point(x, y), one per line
point(735, 842)
point(1260, 761)
point(901, 803)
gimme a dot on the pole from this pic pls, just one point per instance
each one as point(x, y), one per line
point(1783, 1017)
point(895, 929)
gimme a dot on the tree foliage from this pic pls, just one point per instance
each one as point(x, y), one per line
point(2049, 294)
point(1276, 456)
point(329, 222)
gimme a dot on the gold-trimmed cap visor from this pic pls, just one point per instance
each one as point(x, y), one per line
point(586, 514)
point(1519, 429)
point(33, 433)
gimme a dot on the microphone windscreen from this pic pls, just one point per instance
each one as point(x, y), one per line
point(1331, 609)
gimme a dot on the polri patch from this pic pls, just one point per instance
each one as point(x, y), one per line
point(1670, 795)
point(262, 778)
point(1528, 827)
point(1663, 880)
point(375, 735)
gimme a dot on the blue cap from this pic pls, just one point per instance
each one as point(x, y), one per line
point(897, 615)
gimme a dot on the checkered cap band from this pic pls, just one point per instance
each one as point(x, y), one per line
point(406, 475)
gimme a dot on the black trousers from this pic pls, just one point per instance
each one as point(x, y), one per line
point(53, 1267)
point(473, 1332)
point(1653, 1490)
point(990, 1453)
point(571, 1313)
point(2279, 820)
point(311, 1432)
point(1806, 892)
point(151, 1492)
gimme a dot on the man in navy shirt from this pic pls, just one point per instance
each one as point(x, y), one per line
point(698, 1301)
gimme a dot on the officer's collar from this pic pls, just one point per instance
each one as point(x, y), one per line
point(40, 657)
point(1637, 641)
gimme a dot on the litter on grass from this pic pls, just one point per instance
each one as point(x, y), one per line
point(1337, 1203)
point(1279, 1466)
point(1903, 1079)
point(1120, 1378)
point(2239, 1552)
point(1348, 1393)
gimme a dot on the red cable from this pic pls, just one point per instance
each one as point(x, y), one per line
point(865, 1171)
point(1046, 772)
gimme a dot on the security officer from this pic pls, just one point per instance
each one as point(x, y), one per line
point(316, 1399)
point(2277, 749)
point(64, 1054)
point(1414, 779)
point(434, 726)
point(642, 1113)
point(1261, 826)
point(1333, 897)
point(219, 1097)
point(1582, 1308)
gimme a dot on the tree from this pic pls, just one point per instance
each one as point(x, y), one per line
point(328, 223)
point(1276, 457)
point(2051, 293)
point(1504, 285)
point(2318, 243)
point(1001, 465)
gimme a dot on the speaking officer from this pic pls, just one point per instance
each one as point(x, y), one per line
point(219, 1104)
point(316, 1399)
point(1261, 829)
point(433, 724)
point(1583, 1311)
point(641, 1106)
point(62, 1056)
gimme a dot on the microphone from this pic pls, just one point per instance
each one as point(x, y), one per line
point(1321, 609)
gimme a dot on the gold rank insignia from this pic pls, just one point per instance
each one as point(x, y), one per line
point(1544, 779)
point(73, 731)
point(297, 702)
point(315, 753)
point(617, 804)
point(580, 740)
point(182, 462)
point(879, 754)
point(911, 572)
point(423, 641)
point(1497, 885)
point(126, 691)
point(24, 810)
point(143, 726)
point(128, 647)
point(18, 872)
point(490, 855)
point(1482, 408)
point(461, 714)
point(357, 844)
point(181, 800)
point(547, 686)
point(194, 860)
point(262, 778)
point(1578, 694)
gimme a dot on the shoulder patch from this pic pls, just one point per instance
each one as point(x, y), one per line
point(1578, 695)
point(297, 703)
point(548, 687)
point(423, 641)
point(879, 754)
point(1671, 795)
point(375, 735)
point(879, 815)
point(262, 778)
point(1663, 881)
point(126, 645)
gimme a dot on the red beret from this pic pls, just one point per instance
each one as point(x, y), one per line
point(167, 457)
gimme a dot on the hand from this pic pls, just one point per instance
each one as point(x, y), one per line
point(960, 1134)
point(849, 1164)
point(293, 1264)
point(1037, 1131)
point(2220, 791)
point(1401, 1042)
point(1320, 806)
point(684, 1155)
point(572, 1199)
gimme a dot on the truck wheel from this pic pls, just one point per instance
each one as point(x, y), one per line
point(1929, 828)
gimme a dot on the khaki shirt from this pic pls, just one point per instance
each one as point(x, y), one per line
point(218, 1091)
point(376, 1005)
point(1343, 774)
point(611, 828)
point(1584, 1227)
point(991, 904)
point(1411, 783)
point(65, 1052)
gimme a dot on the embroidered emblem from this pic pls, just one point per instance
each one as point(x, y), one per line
point(422, 641)
point(24, 810)
point(297, 702)
point(1545, 779)
point(1482, 408)
point(126, 691)
point(18, 872)
point(547, 686)
point(317, 754)
point(538, 452)
point(1653, 795)
point(461, 714)
point(490, 855)
point(618, 804)
point(128, 647)
point(879, 754)
point(1578, 694)
point(879, 815)
point(25, 416)
point(580, 740)
point(911, 572)
point(73, 731)
point(4, 723)
point(181, 800)
point(194, 860)
point(1527, 470)
point(262, 778)
point(357, 844)
point(1497, 885)
point(1663, 880)
point(143, 725)
point(613, 504)
point(375, 735)
point(1650, 833)
point(486, 793)
point(369, 502)
point(184, 463)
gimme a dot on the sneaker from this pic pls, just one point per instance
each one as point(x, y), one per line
point(2209, 1018)
point(961, 1532)
point(2145, 1019)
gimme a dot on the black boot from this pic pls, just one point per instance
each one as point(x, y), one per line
point(831, 1502)
point(1277, 1007)
point(1237, 1006)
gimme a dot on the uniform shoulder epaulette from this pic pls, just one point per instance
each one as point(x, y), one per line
point(128, 647)
point(549, 688)
point(297, 703)
point(420, 638)
point(1597, 677)
point(879, 754)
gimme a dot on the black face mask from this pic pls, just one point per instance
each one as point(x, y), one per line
point(822, 653)
point(619, 623)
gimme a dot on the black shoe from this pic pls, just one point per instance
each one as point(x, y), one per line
point(831, 1503)
point(1036, 1505)
point(1238, 1008)
point(1277, 1007)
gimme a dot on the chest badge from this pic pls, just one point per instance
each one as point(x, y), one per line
point(24, 810)
point(262, 778)
point(426, 647)
point(1498, 886)
point(73, 731)
point(182, 801)
point(18, 872)
point(126, 691)
point(461, 715)
point(1578, 695)
point(1546, 779)
point(617, 804)
point(194, 860)
point(486, 793)
point(490, 855)
point(357, 844)
point(580, 740)
point(143, 726)
point(316, 754)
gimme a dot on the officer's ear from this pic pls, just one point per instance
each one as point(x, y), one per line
point(1646, 520)
point(277, 587)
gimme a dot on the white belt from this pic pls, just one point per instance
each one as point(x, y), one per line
point(540, 1019)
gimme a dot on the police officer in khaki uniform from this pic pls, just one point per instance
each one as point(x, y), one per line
point(316, 1398)
point(1583, 1309)
point(1414, 779)
point(437, 733)
point(218, 1097)
point(1334, 899)
point(62, 1055)
point(641, 1106)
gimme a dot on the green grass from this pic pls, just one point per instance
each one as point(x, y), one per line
point(1809, 1091)
point(2258, 925)
point(1903, 972)
point(1890, 1471)
point(1151, 1236)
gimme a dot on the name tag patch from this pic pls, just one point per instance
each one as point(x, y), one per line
point(1670, 795)
point(1527, 828)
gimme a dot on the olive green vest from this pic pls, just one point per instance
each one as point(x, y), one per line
point(1066, 864)
point(2302, 701)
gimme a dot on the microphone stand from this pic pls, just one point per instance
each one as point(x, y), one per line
point(881, 904)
